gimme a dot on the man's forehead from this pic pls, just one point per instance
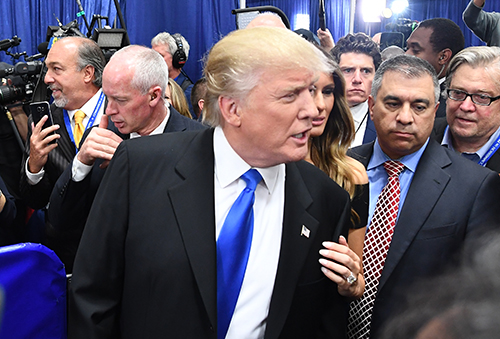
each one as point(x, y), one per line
point(421, 36)
point(351, 58)
point(392, 80)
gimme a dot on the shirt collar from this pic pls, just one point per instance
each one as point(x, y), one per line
point(88, 107)
point(359, 112)
point(410, 161)
point(158, 130)
point(447, 141)
point(229, 166)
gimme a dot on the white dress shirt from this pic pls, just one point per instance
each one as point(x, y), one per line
point(252, 307)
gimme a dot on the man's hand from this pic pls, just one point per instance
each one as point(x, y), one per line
point(40, 144)
point(479, 3)
point(325, 39)
point(100, 143)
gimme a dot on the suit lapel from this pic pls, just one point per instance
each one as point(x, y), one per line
point(294, 248)
point(65, 148)
point(196, 171)
point(427, 185)
point(174, 123)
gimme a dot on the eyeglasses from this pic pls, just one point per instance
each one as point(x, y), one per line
point(478, 99)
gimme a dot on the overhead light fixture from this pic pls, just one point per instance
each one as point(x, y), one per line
point(399, 6)
point(372, 10)
point(387, 13)
point(301, 21)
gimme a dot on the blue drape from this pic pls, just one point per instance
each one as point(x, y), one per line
point(202, 22)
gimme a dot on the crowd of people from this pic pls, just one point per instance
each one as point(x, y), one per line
point(301, 188)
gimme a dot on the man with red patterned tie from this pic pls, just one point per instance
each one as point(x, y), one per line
point(426, 202)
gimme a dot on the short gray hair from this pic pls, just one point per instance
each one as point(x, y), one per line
point(408, 66)
point(168, 40)
point(150, 68)
point(90, 54)
point(476, 57)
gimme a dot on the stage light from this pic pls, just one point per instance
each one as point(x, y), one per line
point(386, 13)
point(301, 21)
point(372, 10)
point(398, 6)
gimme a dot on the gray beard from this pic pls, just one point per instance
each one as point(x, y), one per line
point(61, 102)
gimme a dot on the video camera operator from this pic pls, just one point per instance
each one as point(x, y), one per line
point(16, 88)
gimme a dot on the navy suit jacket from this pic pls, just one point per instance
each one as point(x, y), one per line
point(370, 131)
point(146, 266)
point(450, 201)
point(70, 201)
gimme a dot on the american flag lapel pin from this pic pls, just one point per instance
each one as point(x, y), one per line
point(305, 231)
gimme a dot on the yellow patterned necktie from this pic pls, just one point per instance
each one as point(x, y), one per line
point(79, 128)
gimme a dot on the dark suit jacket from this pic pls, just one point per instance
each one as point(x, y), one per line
point(370, 132)
point(37, 196)
point(441, 111)
point(450, 201)
point(146, 265)
point(438, 135)
point(8, 212)
point(70, 201)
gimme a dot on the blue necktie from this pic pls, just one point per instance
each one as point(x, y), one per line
point(233, 248)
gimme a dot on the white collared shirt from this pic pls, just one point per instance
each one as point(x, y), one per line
point(360, 116)
point(249, 318)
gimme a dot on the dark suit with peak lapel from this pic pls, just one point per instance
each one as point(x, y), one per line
point(450, 201)
point(37, 196)
point(438, 134)
point(70, 201)
point(146, 265)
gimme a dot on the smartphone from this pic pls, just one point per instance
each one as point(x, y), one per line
point(38, 110)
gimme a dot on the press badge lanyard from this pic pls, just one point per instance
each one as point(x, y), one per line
point(90, 123)
point(489, 154)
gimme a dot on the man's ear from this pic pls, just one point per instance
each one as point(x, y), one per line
point(88, 73)
point(230, 110)
point(371, 103)
point(445, 56)
point(155, 95)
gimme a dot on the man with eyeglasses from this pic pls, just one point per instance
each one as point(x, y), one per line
point(472, 124)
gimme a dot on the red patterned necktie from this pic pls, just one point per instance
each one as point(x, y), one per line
point(376, 246)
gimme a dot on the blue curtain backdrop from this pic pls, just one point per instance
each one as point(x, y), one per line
point(202, 22)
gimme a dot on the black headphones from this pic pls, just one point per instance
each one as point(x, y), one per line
point(179, 58)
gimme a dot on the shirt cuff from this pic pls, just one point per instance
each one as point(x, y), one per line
point(33, 178)
point(79, 170)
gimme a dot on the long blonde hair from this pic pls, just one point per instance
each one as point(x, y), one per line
point(328, 151)
point(178, 98)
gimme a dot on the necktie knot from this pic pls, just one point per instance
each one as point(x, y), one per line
point(393, 168)
point(252, 177)
point(79, 116)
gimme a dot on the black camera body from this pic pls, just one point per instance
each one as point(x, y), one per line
point(26, 75)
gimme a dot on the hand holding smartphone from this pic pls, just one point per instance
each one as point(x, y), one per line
point(40, 109)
